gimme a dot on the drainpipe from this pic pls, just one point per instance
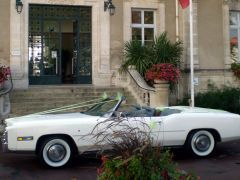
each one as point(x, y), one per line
point(177, 21)
point(177, 39)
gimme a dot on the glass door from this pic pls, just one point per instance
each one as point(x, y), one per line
point(51, 50)
point(60, 44)
point(82, 40)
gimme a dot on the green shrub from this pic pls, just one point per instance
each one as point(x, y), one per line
point(152, 166)
point(226, 98)
point(235, 67)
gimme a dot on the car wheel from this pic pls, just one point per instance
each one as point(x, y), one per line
point(55, 152)
point(201, 143)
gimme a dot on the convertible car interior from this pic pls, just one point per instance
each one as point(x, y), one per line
point(144, 111)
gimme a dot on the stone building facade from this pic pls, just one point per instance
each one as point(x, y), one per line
point(77, 42)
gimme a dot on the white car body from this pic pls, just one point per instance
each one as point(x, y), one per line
point(172, 128)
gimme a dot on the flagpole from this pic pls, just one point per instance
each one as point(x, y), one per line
point(191, 54)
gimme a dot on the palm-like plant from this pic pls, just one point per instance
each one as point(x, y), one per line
point(164, 51)
point(143, 57)
point(135, 54)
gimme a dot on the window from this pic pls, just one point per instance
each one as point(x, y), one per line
point(143, 26)
point(234, 35)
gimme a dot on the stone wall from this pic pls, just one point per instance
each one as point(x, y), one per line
point(210, 33)
point(5, 31)
point(211, 45)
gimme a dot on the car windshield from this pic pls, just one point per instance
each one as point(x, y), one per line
point(102, 107)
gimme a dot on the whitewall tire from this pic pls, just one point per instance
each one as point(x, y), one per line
point(201, 143)
point(55, 152)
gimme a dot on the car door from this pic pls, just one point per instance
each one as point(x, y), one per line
point(157, 130)
point(153, 126)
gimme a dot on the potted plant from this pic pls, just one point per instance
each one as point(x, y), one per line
point(166, 72)
point(4, 73)
point(135, 54)
point(165, 51)
point(143, 57)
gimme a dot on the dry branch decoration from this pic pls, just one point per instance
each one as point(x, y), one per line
point(132, 155)
point(121, 133)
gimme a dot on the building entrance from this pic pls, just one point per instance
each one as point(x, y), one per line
point(60, 45)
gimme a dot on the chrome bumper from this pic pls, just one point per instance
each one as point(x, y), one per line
point(5, 142)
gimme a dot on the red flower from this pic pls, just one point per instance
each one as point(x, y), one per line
point(164, 71)
point(101, 168)
point(4, 73)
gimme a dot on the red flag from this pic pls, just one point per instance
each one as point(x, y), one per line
point(184, 3)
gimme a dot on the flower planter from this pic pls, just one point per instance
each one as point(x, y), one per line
point(160, 96)
point(4, 73)
point(157, 81)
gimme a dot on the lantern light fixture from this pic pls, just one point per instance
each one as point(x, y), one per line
point(19, 6)
point(108, 5)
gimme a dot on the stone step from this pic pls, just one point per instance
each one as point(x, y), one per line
point(35, 108)
point(57, 101)
point(41, 98)
point(66, 100)
point(61, 89)
point(61, 95)
point(32, 110)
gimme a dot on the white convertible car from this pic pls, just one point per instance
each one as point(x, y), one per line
point(55, 138)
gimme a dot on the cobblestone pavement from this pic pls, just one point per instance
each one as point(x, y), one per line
point(224, 164)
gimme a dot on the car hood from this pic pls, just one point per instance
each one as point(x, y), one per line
point(46, 117)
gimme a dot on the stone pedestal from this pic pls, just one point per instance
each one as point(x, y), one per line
point(159, 98)
point(4, 106)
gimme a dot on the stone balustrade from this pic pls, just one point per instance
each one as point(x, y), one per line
point(146, 95)
point(5, 105)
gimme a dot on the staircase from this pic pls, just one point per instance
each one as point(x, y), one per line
point(41, 98)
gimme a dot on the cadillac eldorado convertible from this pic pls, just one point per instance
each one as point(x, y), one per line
point(57, 137)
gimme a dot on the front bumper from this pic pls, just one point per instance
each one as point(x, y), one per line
point(5, 142)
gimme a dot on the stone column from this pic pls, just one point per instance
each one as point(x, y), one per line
point(18, 51)
point(102, 75)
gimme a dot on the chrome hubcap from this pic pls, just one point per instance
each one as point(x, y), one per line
point(202, 143)
point(56, 152)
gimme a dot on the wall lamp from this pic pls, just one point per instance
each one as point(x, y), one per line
point(108, 5)
point(19, 6)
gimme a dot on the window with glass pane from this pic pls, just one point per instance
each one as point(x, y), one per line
point(136, 34)
point(234, 22)
point(136, 17)
point(143, 26)
point(148, 17)
point(149, 34)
